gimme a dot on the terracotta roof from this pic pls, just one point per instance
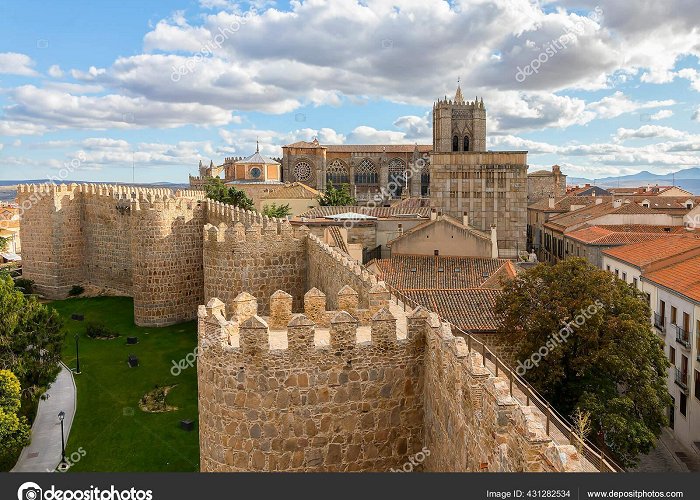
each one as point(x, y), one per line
point(293, 191)
point(564, 203)
point(577, 217)
point(420, 272)
point(469, 309)
point(683, 278)
point(644, 253)
point(303, 144)
point(624, 234)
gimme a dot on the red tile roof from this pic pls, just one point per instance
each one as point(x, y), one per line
point(625, 234)
point(644, 253)
point(471, 309)
point(683, 278)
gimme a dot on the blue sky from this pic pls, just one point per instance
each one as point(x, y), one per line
point(97, 85)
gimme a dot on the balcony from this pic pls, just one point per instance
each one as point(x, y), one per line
point(681, 380)
point(682, 337)
point(660, 322)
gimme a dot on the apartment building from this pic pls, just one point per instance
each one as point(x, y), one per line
point(667, 270)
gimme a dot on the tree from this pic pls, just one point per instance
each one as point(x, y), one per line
point(31, 338)
point(337, 197)
point(277, 211)
point(3, 243)
point(14, 429)
point(218, 191)
point(584, 341)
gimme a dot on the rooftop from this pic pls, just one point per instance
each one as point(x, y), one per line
point(683, 278)
point(648, 252)
point(624, 234)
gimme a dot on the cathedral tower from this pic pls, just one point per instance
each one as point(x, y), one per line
point(459, 125)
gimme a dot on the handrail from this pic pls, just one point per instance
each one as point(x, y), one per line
point(590, 451)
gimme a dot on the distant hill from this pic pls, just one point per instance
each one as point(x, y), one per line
point(688, 178)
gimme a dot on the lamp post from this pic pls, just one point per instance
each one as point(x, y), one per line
point(77, 355)
point(61, 417)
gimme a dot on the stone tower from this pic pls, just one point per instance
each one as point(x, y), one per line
point(459, 125)
point(490, 187)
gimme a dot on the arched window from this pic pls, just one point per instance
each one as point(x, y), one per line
point(302, 171)
point(366, 172)
point(455, 143)
point(397, 176)
point(337, 173)
point(466, 143)
point(425, 181)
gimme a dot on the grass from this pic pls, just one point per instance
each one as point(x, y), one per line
point(109, 429)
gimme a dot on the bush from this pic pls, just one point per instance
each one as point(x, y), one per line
point(25, 286)
point(100, 331)
point(76, 290)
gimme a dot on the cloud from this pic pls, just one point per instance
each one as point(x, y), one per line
point(649, 131)
point(55, 71)
point(660, 115)
point(12, 63)
point(618, 103)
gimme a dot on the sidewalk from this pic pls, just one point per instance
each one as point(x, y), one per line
point(44, 452)
point(669, 456)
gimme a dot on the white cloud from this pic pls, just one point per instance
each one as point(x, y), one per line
point(12, 63)
point(618, 103)
point(55, 71)
point(660, 115)
point(649, 131)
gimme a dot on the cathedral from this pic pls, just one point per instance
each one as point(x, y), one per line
point(459, 176)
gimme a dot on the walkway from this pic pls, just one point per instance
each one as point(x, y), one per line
point(669, 455)
point(44, 452)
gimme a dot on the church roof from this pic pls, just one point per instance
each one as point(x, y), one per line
point(257, 158)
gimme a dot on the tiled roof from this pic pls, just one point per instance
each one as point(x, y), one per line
point(303, 144)
point(379, 212)
point(294, 191)
point(683, 278)
point(569, 219)
point(378, 148)
point(443, 219)
point(470, 309)
point(420, 272)
point(564, 203)
point(644, 253)
point(623, 234)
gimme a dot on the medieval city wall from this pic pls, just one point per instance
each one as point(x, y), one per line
point(146, 243)
point(246, 251)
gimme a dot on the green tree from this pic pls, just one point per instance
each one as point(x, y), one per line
point(584, 340)
point(337, 197)
point(31, 338)
point(218, 191)
point(3, 243)
point(14, 428)
point(278, 211)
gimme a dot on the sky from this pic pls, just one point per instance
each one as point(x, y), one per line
point(144, 90)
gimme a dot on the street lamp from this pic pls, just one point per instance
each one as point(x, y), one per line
point(77, 355)
point(61, 417)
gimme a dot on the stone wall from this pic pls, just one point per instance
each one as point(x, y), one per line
point(246, 251)
point(142, 242)
point(342, 398)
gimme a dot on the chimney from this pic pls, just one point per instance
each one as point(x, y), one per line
point(433, 214)
point(494, 242)
point(465, 218)
point(551, 202)
point(598, 201)
point(617, 203)
point(400, 230)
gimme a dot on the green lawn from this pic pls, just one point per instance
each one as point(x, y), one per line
point(110, 430)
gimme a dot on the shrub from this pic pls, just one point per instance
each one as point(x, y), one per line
point(76, 290)
point(24, 285)
point(100, 331)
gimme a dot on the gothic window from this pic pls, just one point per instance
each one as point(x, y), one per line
point(455, 143)
point(366, 172)
point(466, 143)
point(302, 171)
point(424, 181)
point(397, 176)
point(337, 173)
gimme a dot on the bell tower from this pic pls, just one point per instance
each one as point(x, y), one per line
point(459, 125)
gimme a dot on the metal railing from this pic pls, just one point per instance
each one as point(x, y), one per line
point(660, 322)
point(681, 379)
point(683, 337)
point(531, 397)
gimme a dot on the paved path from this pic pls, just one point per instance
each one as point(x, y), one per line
point(44, 452)
point(663, 457)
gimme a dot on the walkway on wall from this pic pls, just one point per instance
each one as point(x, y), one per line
point(44, 452)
